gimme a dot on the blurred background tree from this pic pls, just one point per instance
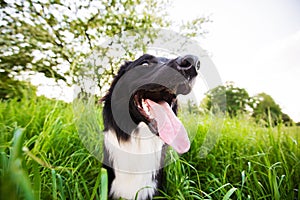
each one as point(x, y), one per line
point(234, 100)
point(228, 98)
point(268, 112)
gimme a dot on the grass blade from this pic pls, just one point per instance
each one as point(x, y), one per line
point(60, 187)
point(36, 181)
point(229, 193)
point(54, 186)
point(104, 184)
point(16, 172)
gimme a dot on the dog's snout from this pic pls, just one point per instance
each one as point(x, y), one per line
point(187, 62)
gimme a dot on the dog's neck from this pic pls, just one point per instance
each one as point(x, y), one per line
point(136, 163)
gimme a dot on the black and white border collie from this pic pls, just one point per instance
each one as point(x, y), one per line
point(140, 122)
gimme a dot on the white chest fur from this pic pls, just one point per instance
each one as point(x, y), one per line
point(135, 162)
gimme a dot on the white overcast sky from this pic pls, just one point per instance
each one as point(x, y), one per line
point(254, 43)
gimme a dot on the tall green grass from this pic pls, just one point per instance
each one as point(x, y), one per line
point(247, 162)
point(42, 157)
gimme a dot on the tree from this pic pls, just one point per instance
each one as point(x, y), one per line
point(53, 37)
point(228, 98)
point(267, 111)
point(10, 88)
point(287, 120)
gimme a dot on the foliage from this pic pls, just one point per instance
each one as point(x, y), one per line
point(45, 36)
point(11, 88)
point(55, 37)
point(266, 111)
point(50, 162)
point(228, 98)
point(287, 120)
point(234, 101)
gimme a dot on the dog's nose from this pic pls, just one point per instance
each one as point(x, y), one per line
point(187, 62)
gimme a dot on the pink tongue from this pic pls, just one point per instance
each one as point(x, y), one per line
point(170, 129)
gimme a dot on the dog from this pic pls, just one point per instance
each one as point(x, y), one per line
point(140, 122)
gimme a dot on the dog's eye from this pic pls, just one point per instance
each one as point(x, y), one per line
point(145, 64)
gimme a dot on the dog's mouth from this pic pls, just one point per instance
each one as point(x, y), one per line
point(156, 94)
point(155, 104)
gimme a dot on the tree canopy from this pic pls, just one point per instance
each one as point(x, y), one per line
point(53, 37)
point(228, 98)
point(234, 100)
point(46, 36)
point(268, 112)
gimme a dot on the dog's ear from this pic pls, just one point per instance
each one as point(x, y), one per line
point(125, 67)
point(127, 62)
point(121, 71)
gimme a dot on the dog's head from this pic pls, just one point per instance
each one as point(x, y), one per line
point(147, 89)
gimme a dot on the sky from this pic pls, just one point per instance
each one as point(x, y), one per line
point(254, 43)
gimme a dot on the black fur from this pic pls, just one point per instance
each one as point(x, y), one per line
point(137, 117)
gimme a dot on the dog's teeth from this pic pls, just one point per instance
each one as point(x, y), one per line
point(145, 107)
point(148, 112)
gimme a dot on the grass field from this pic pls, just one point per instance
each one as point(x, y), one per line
point(42, 157)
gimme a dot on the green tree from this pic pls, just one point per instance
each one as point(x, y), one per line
point(287, 120)
point(268, 112)
point(228, 98)
point(53, 37)
point(10, 88)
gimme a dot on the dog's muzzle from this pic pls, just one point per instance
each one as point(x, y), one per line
point(188, 67)
point(187, 62)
